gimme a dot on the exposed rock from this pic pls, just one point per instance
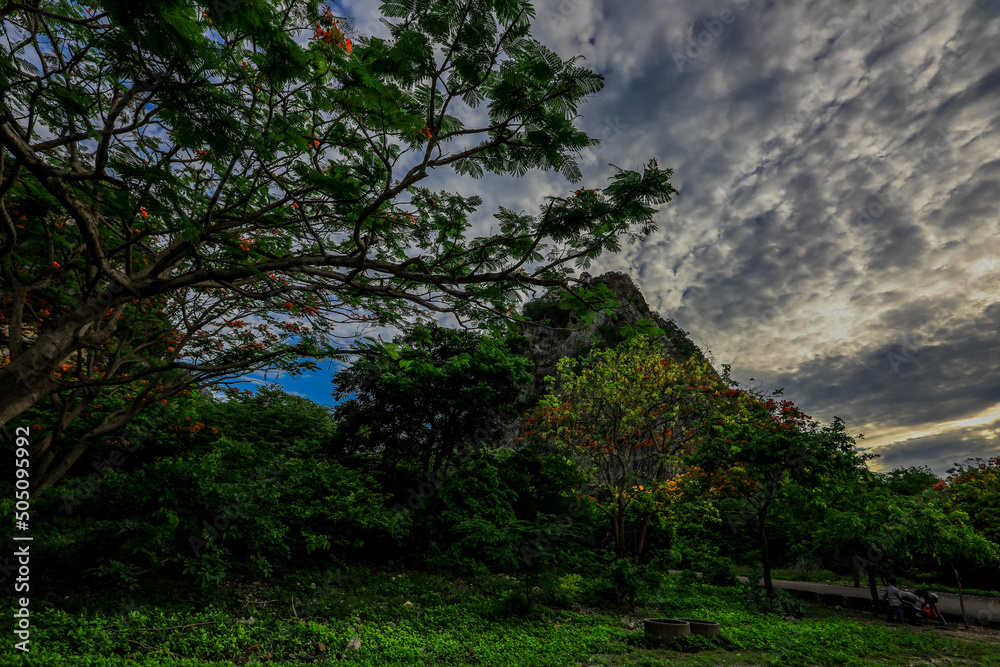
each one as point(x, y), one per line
point(354, 644)
point(566, 336)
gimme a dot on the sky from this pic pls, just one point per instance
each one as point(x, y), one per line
point(836, 228)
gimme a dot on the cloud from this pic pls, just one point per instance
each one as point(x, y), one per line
point(941, 451)
point(836, 230)
point(838, 198)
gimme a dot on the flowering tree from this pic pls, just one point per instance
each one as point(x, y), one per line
point(190, 192)
point(974, 487)
point(625, 415)
point(762, 444)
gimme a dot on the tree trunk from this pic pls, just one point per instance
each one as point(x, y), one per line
point(873, 588)
point(641, 538)
point(856, 573)
point(765, 555)
point(619, 537)
point(24, 386)
point(28, 379)
point(961, 596)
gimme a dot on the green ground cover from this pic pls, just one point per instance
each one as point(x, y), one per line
point(483, 622)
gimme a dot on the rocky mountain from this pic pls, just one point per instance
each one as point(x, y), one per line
point(556, 332)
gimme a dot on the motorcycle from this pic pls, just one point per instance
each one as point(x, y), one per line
point(911, 609)
point(929, 606)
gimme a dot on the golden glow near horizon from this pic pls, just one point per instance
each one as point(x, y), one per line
point(904, 433)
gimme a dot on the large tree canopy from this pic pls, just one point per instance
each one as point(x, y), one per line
point(189, 191)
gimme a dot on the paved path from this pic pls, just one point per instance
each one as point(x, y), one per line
point(979, 610)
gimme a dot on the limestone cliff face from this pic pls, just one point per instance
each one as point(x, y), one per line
point(566, 336)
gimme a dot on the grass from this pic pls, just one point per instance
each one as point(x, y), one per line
point(454, 623)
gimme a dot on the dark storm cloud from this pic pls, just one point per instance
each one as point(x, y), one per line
point(907, 383)
point(840, 195)
point(837, 230)
point(940, 452)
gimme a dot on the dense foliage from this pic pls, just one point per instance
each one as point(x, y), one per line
point(633, 455)
point(627, 415)
point(259, 487)
point(189, 193)
point(417, 400)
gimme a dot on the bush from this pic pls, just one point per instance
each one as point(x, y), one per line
point(620, 583)
point(238, 509)
point(513, 603)
point(468, 527)
point(720, 571)
point(570, 586)
point(755, 598)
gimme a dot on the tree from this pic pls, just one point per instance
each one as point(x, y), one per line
point(843, 518)
point(244, 178)
point(760, 446)
point(869, 518)
point(419, 398)
point(625, 414)
point(974, 488)
point(909, 481)
point(921, 527)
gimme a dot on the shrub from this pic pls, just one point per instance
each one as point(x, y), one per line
point(238, 509)
point(755, 598)
point(570, 585)
point(468, 527)
point(620, 583)
point(720, 571)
